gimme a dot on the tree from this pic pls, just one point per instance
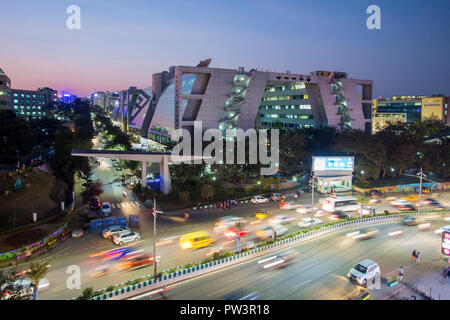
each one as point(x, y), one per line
point(87, 294)
point(238, 225)
point(184, 196)
point(207, 192)
point(37, 271)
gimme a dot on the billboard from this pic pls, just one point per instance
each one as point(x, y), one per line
point(333, 164)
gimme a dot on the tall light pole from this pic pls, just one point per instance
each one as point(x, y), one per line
point(312, 200)
point(155, 212)
point(421, 176)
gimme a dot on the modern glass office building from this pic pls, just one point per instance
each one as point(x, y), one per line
point(239, 98)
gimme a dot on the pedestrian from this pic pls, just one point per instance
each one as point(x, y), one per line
point(414, 255)
point(400, 274)
point(418, 257)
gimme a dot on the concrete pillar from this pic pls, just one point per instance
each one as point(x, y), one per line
point(144, 174)
point(165, 181)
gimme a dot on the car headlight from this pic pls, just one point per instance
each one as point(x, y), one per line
point(359, 280)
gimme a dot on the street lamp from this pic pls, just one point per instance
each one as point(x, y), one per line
point(155, 212)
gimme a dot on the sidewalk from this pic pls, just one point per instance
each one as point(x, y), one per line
point(423, 280)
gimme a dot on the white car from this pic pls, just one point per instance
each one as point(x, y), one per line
point(227, 222)
point(113, 230)
point(399, 202)
point(305, 209)
point(364, 271)
point(259, 199)
point(307, 222)
point(266, 232)
point(126, 236)
point(281, 219)
point(106, 208)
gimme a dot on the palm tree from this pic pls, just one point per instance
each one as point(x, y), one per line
point(362, 201)
point(37, 271)
point(238, 225)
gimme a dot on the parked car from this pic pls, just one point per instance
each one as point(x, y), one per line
point(106, 208)
point(259, 199)
point(113, 230)
point(364, 271)
point(95, 204)
point(276, 197)
point(126, 236)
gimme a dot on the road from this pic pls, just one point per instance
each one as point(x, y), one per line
point(319, 272)
point(170, 226)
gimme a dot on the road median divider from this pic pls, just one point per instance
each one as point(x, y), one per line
point(168, 277)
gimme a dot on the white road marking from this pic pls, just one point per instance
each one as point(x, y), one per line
point(298, 285)
point(137, 203)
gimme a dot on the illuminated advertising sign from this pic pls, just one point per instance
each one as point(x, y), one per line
point(445, 246)
point(333, 163)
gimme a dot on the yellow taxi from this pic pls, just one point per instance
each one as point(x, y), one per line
point(195, 240)
point(263, 214)
point(411, 198)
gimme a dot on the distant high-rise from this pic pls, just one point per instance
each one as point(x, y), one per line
point(407, 109)
point(34, 104)
point(5, 92)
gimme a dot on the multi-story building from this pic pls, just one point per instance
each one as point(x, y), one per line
point(5, 92)
point(106, 100)
point(406, 109)
point(34, 104)
point(236, 98)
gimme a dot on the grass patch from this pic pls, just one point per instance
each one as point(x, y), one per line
point(17, 207)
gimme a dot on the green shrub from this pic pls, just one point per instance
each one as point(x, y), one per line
point(110, 288)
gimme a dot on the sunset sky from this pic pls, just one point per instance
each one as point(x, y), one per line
point(121, 43)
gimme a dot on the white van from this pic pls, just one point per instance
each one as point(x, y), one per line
point(364, 271)
point(344, 204)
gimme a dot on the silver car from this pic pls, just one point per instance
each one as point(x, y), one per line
point(113, 230)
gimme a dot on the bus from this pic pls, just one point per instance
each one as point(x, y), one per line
point(344, 204)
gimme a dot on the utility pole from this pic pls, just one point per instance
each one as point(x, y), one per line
point(420, 190)
point(312, 201)
point(154, 235)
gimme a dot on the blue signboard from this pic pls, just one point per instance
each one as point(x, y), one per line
point(333, 163)
point(134, 221)
point(100, 224)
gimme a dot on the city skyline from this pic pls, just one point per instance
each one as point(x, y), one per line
point(118, 46)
